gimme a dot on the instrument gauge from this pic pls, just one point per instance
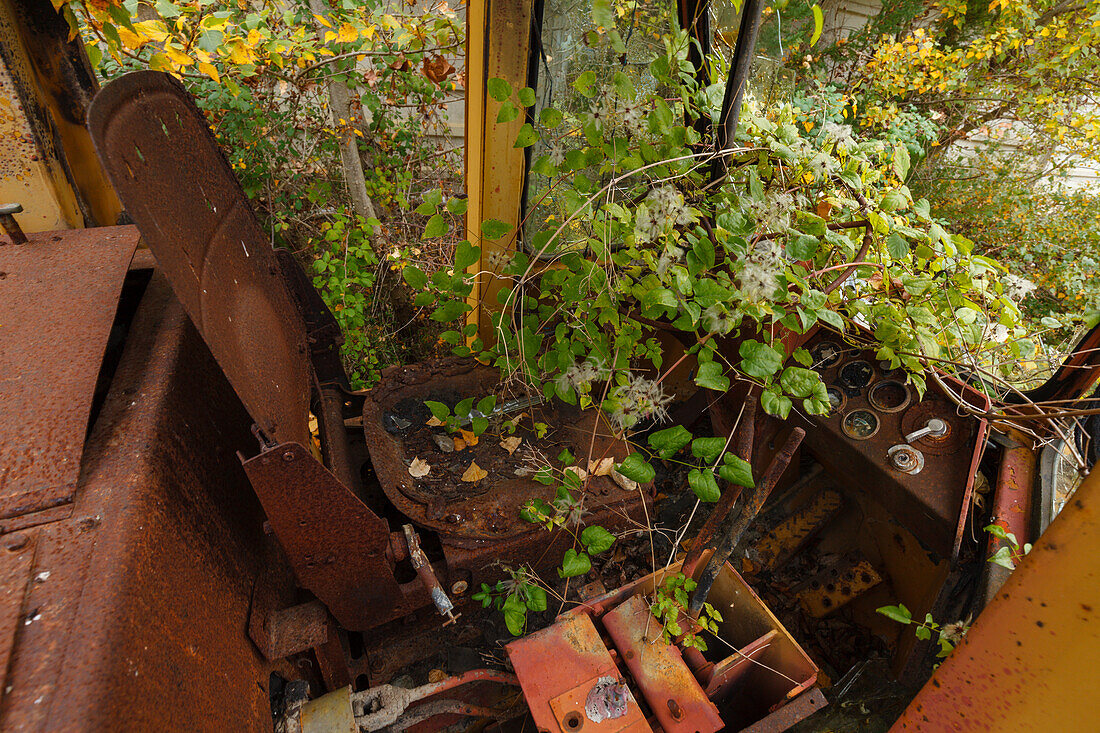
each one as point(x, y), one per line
point(855, 375)
point(825, 354)
point(860, 424)
point(889, 395)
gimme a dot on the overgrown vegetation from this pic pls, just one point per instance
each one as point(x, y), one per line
point(333, 118)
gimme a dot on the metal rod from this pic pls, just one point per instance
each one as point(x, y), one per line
point(732, 531)
point(11, 226)
point(736, 82)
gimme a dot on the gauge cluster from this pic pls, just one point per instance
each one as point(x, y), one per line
point(916, 455)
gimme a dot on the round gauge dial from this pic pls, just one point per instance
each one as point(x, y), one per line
point(825, 354)
point(860, 424)
point(857, 374)
point(836, 399)
point(889, 396)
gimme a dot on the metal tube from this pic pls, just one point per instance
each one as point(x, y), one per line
point(736, 82)
point(732, 531)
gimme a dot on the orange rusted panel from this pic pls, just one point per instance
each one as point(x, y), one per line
point(1029, 662)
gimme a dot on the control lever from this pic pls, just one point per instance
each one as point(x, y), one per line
point(935, 427)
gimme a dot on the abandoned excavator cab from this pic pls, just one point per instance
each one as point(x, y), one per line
point(179, 548)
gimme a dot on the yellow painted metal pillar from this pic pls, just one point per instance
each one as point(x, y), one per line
point(498, 41)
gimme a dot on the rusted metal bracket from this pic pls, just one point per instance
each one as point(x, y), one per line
point(336, 544)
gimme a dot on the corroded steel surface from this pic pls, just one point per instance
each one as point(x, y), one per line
point(336, 544)
point(1029, 661)
point(178, 188)
point(58, 296)
point(934, 503)
point(673, 694)
point(469, 513)
point(135, 614)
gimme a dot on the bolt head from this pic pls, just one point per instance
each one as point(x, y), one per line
point(459, 587)
point(288, 456)
point(16, 541)
point(9, 209)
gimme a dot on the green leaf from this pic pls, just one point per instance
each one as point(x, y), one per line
point(526, 97)
point(457, 206)
point(526, 137)
point(708, 449)
point(710, 376)
point(536, 598)
point(466, 255)
point(515, 615)
point(449, 311)
point(584, 82)
point(498, 89)
point(602, 14)
point(669, 441)
point(574, 563)
point(436, 227)
point(704, 485)
point(819, 24)
point(803, 246)
point(759, 360)
point(897, 246)
point(635, 468)
point(508, 112)
point(799, 382)
point(736, 470)
point(657, 301)
point(414, 276)
point(550, 118)
point(892, 201)
point(1003, 557)
point(901, 160)
point(897, 613)
point(596, 539)
point(776, 404)
point(439, 410)
point(923, 633)
point(494, 228)
point(486, 404)
point(462, 409)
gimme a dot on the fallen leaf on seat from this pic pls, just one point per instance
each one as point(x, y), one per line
point(419, 468)
point(510, 444)
point(474, 473)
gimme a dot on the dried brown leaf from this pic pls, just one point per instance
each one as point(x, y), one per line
point(474, 473)
point(510, 444)
point(419, 468)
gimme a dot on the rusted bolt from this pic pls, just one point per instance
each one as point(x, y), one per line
point(16, 541)
point(11, 226)
point(572, 721)
point(288, 456)
point(675, 709)
point(459, 587)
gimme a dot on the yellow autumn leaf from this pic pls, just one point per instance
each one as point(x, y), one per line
point(460, 444)
point(474, 473)
point(468, 436)
point(510, 444)
point(323, 21)
point(177, 57)
point(210, 70)
point(347, 34)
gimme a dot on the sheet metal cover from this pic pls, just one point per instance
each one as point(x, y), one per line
point(58, 298)
point(178, 188)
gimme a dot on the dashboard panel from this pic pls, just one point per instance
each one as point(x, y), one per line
point(915, 456)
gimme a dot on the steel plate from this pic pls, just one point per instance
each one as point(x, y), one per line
point(58, 297)
point(178, 188)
